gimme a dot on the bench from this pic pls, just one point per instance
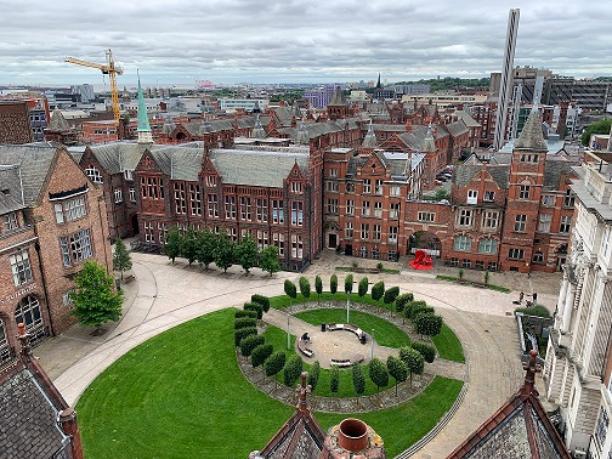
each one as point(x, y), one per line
point(348, 327)
point(302, 347)
point(341, 363)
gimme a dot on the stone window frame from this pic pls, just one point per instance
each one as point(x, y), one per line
point(520, 223)
point(5, 347)
point(565, 224)
point(70, 209)
point(10, 222)
point(514, 253)
point(94, 174)
point(21, 267)
point(76, 247)
point(462, 243)
point(488, 243)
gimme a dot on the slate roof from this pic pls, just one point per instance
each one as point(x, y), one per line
point(117, 157)
point(464, 174)
point(28, 419)
point(265, 168)
point(520, 428)
point(284, 115)
point(34, 162)
point(553, 169)
point(532, 136)
point(457, 128)
point(317, 129)
point(10, 189)
point(416, 138)
point(467, 119)
point(58, 122)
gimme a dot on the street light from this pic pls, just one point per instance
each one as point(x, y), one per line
point(348, 320)
point(288, 335)
point(372, 346)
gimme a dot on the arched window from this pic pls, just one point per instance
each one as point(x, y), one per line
point(28, 312)
point(5, 348)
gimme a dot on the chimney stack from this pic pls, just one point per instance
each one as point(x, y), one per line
point(353, 438)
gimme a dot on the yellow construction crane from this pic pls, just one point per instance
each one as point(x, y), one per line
point(107, 69)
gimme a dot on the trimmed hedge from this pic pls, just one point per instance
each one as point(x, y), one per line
point(249, 343)
point(275, 363)
point(418, 307)
point(348, 284)
point(243, 333)
point(426, 350)
point(242, 313)
point(245, 322)
point(411, 306)
point(254, 307)
point(402, 300)
point(413, 360)
point(378, 373)
point(359, 382)
point(333, 284)
point(362, 288)
point(292, 370)
point(334, 380)
point(318, 285)
point(264, 301)
point(313, 375)
point(304, 287)
point(390, 295)
point(378, 290)
point(260, 354)
point(537, 310)
point(427, 323)
point(290, 289)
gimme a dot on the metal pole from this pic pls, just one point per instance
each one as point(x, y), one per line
point(372, 346)
point(348, 320)
point(288, 335)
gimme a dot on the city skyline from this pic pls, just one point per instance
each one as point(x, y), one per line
point(287, 42)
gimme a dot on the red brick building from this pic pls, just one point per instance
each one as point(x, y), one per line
point(53, 218)
point(14, 122)
point(102, 131)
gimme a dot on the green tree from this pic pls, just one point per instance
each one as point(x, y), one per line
point(95, 299)
point(242, 333)
point(304, 287)
point(390, 295)
point(121, 258)
point(598, 127)
point(427, 323)
point(249, 343)
point(313, 375)
point(426, 350)
point(333, 284)
point(397, 369)
point(359, 382)
point(256, 307)
point(378, 373)
point(246, 254)
point(334, 380)
point(274, 364)
point(244, 322)
point(290, 289)
point(172, 246)
point(207, 244)
point(268, 260)
point(378, 290)
point(401, 302)
point(224, 252)
point(292, 370)
point(189, 246)
point(413, 360)
point(318, 287)
point(260, 354)
point(348, 284)
point(264, 301)
point(362, 288)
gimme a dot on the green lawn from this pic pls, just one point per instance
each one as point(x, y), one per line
point(448, 345)
point(386, 333)
point(181, 394)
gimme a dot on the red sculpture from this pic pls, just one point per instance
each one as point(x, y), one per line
point(422, 261)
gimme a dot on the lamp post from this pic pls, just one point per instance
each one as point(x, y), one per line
point(348, 307)
point(372, 346)
point(288, 335)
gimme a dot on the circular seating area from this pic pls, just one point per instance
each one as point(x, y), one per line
point(361, 335)
point(303, 345)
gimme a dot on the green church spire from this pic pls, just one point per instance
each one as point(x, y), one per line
point(144, 128)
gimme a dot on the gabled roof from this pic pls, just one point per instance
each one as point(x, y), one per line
point(116, 157)
point(58, 122)
point(554, 169)
point(457, 128)
point(464, 174)
point(520, 428)
point(467, 119)
point(532, 136)
point(10, 189)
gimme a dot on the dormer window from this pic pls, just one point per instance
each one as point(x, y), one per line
point(211, 181)
point(296, 187)
point(472, 197)
point(128, 174)
point(11, 222)
point(94, 174)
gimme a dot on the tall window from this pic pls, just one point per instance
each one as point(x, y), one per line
point(490, 219)
point(11, 222)
point(350, 207)
point(128, 174)
point(195, 199)
point(261, 211)
point(297, 213)
point(515, 254)
point(463, 243)
point(297, 247)
point(524, 191)
point(367, 186)
point(395, 190)
point(296, 187)
point(230, 207)
point(20, 266)
point(378, 209)
point(379, 187)
point(180, 203)
point(5, 349)
point(262, 239)
point(118, 193)
point(544, 223)
point(213, 206)
point(472, 196)
point(394, 210)
point(348, 230)
point(76, 247)
point(393, 234)
point(278, 211)
point(568, 200)
point(377, 231)
point(278, 239)
point(162, 232)
point(487, 246)
point(565, 225)
point(538, 257)
point(332, 206)
point(28, 313)
point(365, 208)
point(70, 209)
point(211, 181)
point(245, 208)
point(151, 187)
point(94, 174)
point(331, 185)
point(489, 196)
point(465, 217)
point(520, 223)
point(149, 232)
point(132, 194)
point(365, 231)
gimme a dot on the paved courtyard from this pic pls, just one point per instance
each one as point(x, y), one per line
point(165, 295)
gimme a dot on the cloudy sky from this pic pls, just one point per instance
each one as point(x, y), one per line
point(181, 41)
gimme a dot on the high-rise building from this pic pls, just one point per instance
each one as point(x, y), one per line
point(505, 86)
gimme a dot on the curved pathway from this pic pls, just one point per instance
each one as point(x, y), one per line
point(163, 296)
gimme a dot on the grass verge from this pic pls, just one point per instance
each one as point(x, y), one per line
point(448, 345)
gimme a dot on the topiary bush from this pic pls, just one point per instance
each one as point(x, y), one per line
point(333, 284)
point(359, 382)
point(275, 363)
point(378, 290)
point(242, 313)
point(362, 288)
point(264, 301)
point(334, 380)
point(390, 295)
point(418, 307)
point(397, 369)
point(254, 307)
point(318, 285)
point(401, 302)
point(292, 370)
point(304, 287)
point(244, 322)
point(290, 289)
point(260, 354)
point(348, 284)
point(313, 375)
point(426, 350)
point(427, 323)
point(248, 343)
point(378, 373)
point(243, 333)
point(413, 360)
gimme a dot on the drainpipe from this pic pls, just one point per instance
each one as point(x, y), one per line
point(43, 278)
point(104, 239)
